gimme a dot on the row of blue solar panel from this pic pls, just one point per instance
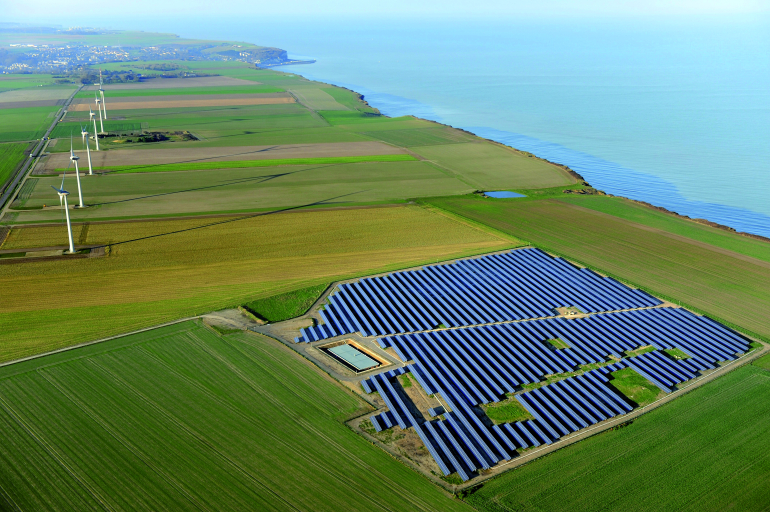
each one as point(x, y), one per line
point(475, 365)
point(521, 284)
point(663, 371)
point(459, 444)
point(483, 363)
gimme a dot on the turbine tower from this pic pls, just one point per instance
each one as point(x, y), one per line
point(63, 197)
point(74, 159)
point(99, 108)
point(84, 133)
point(96, 134)
point(101, 93)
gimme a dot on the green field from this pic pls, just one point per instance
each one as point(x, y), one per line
point(17, 124)
point(706, 451)
point(63, 130)
point(636, 388)
point(119, 195)
point(286, 305)
point(174, 269)
point(181, 418)
point(13, 81)
point(429, 136)
point(490, 166)
point(10, 157)
point(239, 164)
point(625, 209)
point(316, 98)
point(183, 91)
point(730, 286)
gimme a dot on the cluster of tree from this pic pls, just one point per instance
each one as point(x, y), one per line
point(160, 67)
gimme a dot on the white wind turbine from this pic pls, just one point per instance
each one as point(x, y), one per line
point(63, 198)
point(96, 134)
point(84, 134)
point(74, 158)
point(101, 93)
point(99, 108)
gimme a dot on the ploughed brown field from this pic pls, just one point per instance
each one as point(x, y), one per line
point(118, 157)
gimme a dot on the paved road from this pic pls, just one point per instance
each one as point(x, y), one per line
point(9, 191)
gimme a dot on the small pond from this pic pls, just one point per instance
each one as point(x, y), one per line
point(503, 194)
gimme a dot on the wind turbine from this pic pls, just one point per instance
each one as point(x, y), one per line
point(63, 197)
point(99, 108)
point(96, 134)
point(74, 158)
point(101, 93)
point(84, 133)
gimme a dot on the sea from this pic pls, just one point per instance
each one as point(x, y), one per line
point(673, 111)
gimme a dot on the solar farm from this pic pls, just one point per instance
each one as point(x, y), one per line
point(478, 331)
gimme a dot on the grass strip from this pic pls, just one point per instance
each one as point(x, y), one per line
point(286, 305)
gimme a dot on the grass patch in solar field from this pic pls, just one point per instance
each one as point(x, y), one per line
point(633, 386)
point(642, 350)
point(286, 305)
point(707, 450)
point(677, 353)
point(176, 268)
point(558, 343)
point(509, 410)
point(730, 287)
point(406, 381)
point(181, 418)
point(11, 155)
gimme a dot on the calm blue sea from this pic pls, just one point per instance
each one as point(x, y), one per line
point(673, 112)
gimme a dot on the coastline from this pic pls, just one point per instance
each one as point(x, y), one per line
point(577, 176)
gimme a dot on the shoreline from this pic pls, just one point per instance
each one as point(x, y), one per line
point(577, 176)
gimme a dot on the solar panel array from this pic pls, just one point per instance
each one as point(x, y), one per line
point(477, 365)
point(517, 285)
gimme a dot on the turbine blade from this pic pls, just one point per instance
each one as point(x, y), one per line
point(65, 175)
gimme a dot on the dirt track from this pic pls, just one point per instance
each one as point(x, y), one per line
point(116, 157)
point(164, 102)
point(168, 83)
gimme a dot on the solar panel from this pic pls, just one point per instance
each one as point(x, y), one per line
point(354, 357)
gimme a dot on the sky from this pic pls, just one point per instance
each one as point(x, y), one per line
point(151, 10)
